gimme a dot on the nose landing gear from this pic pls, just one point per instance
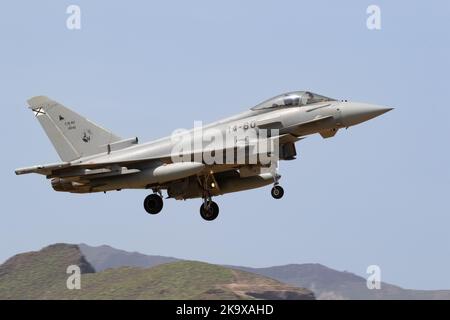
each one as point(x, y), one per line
point(277, 192)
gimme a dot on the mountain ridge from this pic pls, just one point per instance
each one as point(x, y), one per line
point(43, 275)
point(327, 283)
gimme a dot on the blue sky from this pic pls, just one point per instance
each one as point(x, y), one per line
point(374, 194)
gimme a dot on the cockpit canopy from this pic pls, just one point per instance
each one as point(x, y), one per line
point(292, 99)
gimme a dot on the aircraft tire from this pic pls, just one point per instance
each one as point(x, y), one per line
point(277, 192)
point(153, 204)
point(210, 213)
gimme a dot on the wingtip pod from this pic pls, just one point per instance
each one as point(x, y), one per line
point(21, 171)
point(42, 169)
point(38, 101)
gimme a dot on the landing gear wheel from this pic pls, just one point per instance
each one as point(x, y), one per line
point(153, 204)
point(277, 192)
point(209, 211)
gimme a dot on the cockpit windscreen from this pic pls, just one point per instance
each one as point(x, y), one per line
point(292, 99)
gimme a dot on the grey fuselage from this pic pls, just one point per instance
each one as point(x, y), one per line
point(295, 121)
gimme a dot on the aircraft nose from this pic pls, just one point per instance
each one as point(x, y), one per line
point(353, 113)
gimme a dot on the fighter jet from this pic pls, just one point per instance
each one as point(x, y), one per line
point(234, 154)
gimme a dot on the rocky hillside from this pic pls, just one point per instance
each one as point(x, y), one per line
point(326, 283)
point(42, 275)
point(39, 275)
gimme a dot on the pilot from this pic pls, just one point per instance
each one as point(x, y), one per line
point(306, 98)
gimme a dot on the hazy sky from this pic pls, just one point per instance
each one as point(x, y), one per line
point(377, 193)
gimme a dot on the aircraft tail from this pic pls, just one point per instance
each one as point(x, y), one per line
point(72, 135)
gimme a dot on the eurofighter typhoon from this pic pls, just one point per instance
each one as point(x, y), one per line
point(235, 154)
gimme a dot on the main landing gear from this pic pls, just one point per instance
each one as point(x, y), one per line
point(153, 203)
point(209, 210)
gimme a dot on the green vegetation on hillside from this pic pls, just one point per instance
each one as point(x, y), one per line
point(179, 280)
point(37, 275)
point(42, 275)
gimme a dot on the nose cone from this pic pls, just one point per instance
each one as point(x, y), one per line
point(353, 113)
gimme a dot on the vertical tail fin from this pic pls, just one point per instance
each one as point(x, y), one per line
point(72, 135)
